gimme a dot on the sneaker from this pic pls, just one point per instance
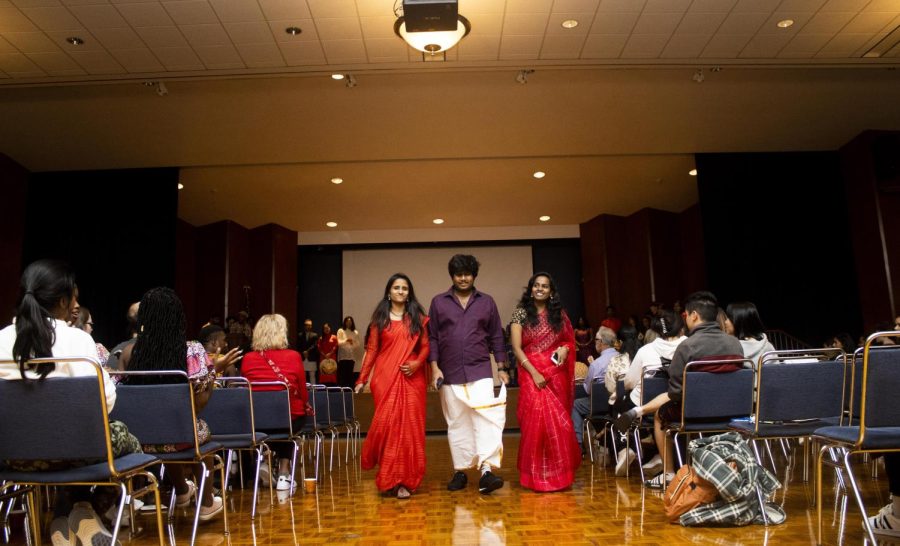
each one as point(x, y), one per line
point(60, 533)
point(85, 524)
point(489, 482)
point(885, 522)
point(110, 514)
point(284, 483)
point(265, 475)
point(624, 421)
point(209, 512)
point(625, 460)
point(661, 481)
point(654, 465)
point(458, 482)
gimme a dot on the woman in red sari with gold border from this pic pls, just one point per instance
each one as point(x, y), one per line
point(544, 343)
point(396, 351)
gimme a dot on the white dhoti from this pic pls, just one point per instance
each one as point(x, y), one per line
point(475, 421)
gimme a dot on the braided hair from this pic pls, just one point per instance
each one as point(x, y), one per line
point(161, 341)
point(44, 284)
point(554, 304)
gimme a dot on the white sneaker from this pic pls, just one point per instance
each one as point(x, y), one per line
point(265, 475)
point(126, 516)
point(653, 466)
point(885, 522)
point(661, 481)
point(284, 484)
point(625, 460)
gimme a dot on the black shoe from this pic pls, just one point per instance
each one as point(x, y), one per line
point(624, 421)
point(489, 482)
point(458, 482)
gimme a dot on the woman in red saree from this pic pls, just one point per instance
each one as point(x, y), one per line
point(396, 351)
point(544, 344)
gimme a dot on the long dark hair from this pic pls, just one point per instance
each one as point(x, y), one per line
point(554, 304)
point(667, 324)
point(745, 317)
point(44, 284)
point(382, 315)
point(161, 343)
point(352, 323)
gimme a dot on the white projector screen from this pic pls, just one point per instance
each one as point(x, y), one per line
point(503, 274)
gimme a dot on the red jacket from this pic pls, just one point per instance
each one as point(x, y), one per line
point(255, 368)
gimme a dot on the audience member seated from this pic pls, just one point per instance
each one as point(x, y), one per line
point(116, 353)
point(887, 521)
point(214, 342)
point(749, 329)
point(629, 336)
point(604, 341)
point(47, 297)
point(86, 322)
point(843, 341)
point(160, 346)
point(271, 360)
point(706, 341)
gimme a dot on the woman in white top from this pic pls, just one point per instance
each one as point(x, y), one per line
point(48, 296)
point(669, 330)
point(349, 349)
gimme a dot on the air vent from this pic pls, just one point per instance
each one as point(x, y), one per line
point(885, 47)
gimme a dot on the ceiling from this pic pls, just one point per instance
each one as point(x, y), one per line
point(613, 112)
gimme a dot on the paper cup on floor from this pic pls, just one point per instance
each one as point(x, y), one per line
point(309, 485)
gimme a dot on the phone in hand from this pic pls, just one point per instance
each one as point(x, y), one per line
point(555, 358)
point(439, 383)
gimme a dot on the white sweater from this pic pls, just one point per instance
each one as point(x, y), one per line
point(755, 348)
point(648, 359)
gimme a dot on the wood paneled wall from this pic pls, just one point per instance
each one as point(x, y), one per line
point(14, 180)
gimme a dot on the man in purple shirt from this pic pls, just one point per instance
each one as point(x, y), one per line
point(464, 331)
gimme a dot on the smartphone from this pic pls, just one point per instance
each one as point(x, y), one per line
point(555, 358)
point(439, 382)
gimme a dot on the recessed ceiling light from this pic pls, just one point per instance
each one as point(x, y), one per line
point(438, 221)
point(337, 76)
point(75, 40)
point(692, 172)
point(539, 174)
point(331, 224)
point(180, 186)
point(544, 218)
point(569, 23)
point(336, 180)
point(293, 31)
point(784, 23)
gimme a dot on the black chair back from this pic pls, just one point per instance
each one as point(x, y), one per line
point(651, 387)
point(171, 406)
point(599, 400)
point(323, 407)
point(336, 409)
point(791, 392)
point(229, 411)
point(349, 405)
point(881, 383)
point(717, 395)
point(271, 409)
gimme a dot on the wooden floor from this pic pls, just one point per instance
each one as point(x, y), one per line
point(599, 509)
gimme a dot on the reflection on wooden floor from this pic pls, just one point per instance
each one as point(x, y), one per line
point(599, 509)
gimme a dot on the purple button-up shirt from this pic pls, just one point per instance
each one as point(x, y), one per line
point(462, 339)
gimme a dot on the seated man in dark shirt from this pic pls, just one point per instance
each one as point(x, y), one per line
point(706, 341)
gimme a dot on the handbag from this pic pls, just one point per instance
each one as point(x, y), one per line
point(686, 492)
point(295, 392)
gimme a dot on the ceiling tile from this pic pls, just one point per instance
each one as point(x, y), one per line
point(614, 22)
point(562, 47)
point(870, 22)
point(805, 45)
point(479, 48)
point(554, 24)
point(385, 50)
point(843, 45)
point(126, 1)
point(882, 5)
point(205, 35)
point(191, 12)
point(666, 6)
point(725, 46)
point(575, 6)
point(35, 3)
point(344, 51)
point(745, 6)
point(827, 22)
point(621, 5)
point(374, 28)
point(97, 62)
point(61, 38)
point(520, 47)
point(6, 47)
point(644, 46)
point(522, 24)
point(303, 53)
point(844, 5)
point(275, 10)
point(657, 23)
point(712, 6)
point(380, 8)
point(604, 46)
point(118, 38)
point(339, 29)
point(482, 23)
point(765, 46)
point(98, 16)
point(251, 33)
point(219, 57)
point(237, 11)
point(309, 34)
point(137, 60)
point(84, 2)
point(157, 37)
point(529, 6)
point(466, 7)
point(18, 65)
point(333, 8)
point(701, 23)
point(58, 18)
point(801, 5)
point(31, 42)
point(685, 46)
point(178, 58)
point(56, 64)
point(145, 14)
point(743, 23)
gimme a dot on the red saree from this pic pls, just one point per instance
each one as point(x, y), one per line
point(396, 439)
point(548, 450)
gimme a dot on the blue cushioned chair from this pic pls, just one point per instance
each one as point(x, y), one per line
point(316, 424)
point(167, 414)
point(878, 428)
point(339, 421)
point(598, 418)
point(66, 419)
point(272, 414)
point(350, 413)
point(651, 387)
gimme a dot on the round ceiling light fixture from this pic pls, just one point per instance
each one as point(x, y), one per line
point(293, 31)
point(331, 224)
point(337, 76)
point(337, 180)
point(433, 42)
point(569, 23)
point(539, 174)
point(75, 40)
point(692, 172)
point(438, 221)
point(785, 23)
point(180, 186)
point(544, 218)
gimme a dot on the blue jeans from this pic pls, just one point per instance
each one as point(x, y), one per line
point(580, 409)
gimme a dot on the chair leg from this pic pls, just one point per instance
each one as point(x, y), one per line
point(259, 456)
point(769, 451)
point(221, 465)
point(587, 436)
point(818, 493)
point(34, 511)
point(123, 499)
point(762, 504)
point(640, 452)
point(858, 496)
point(677, 449)
point(204, 475)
